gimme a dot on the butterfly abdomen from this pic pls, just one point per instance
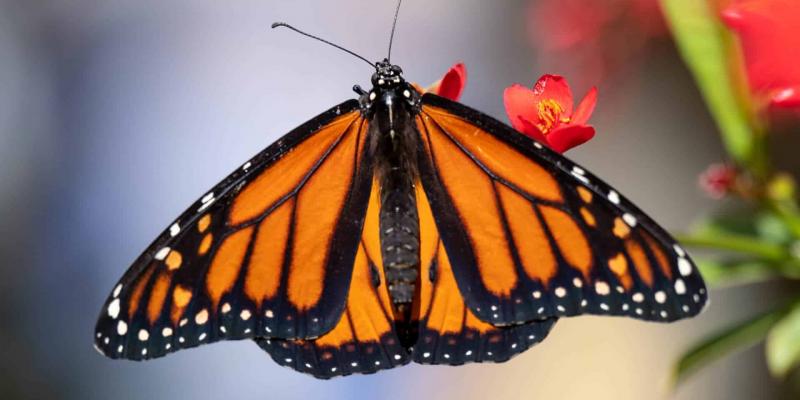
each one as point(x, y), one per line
point(394, 143)
point(399, 226)
point(400, 242)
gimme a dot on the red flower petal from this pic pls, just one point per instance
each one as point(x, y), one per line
point(786, 98)
point(769, 32)
point(520, 103)
point(452, 84)
point(569, 136)
point(530, 130)
point(555, 87)
point(585, 108)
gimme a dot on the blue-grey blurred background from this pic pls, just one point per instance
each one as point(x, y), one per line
point(116, 114)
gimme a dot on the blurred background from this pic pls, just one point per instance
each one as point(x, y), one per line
point(116, 114)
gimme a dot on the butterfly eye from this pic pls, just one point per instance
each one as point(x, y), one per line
point(397, 70)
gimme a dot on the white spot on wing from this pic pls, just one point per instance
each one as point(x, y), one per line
point(201, 317)
point(680, 287)
point(166, 332)
point(661, 297)
point(629, 219)
point(561, 292)
point(602, 288)
point(684, 267)
point(679, 250)
point(113, 309)
point(174, 230)
point(162, 254)
point(117, 290)
point(122, 327)
point(613, 197)
point(245, 315)
point(144, 335)
point(578, 173)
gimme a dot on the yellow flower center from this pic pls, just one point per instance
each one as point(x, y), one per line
point(550, 115)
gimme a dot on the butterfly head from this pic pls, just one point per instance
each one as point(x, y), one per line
point(389, 88)
point(387, 75)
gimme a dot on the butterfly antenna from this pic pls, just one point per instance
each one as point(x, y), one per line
point(394, 25)
point(285, 25)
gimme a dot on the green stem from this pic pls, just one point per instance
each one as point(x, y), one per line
point(742, 244)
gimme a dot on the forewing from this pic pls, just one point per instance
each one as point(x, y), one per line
point(531, 234)
point(268, 252)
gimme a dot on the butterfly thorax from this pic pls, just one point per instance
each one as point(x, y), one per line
point(391, 106)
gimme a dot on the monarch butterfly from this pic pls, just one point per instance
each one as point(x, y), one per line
point(397, 227)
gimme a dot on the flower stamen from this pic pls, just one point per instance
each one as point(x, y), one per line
point(549, 112)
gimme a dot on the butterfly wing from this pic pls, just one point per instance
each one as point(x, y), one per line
point(268, 252)
point(364, 341)
point(449, 332)
point(530, 234)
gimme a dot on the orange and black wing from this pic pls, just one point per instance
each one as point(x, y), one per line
point(267, 252)
point(449, 332)
point(530, 234)
point(364, 341)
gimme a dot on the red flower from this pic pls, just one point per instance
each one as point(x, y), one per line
point(769, 32)
point(452, 83)
point(546, 112)
point(718, 180)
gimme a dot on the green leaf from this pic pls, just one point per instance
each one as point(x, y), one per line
point(740, 336)
point(772, 228)
point(783, 344)
point(704, 45)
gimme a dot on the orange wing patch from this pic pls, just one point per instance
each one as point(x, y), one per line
point(530, 238)
point(226, 265)
point(570, 238)
point(476, 204)
point(286, 174)
point(364, 340)
point(449, 332)
point(266, 261)
point(318, 207)
point(495, 155)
